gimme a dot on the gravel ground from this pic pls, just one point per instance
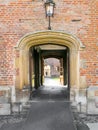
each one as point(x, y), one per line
point(89, 118)
point(13, 118)
point(90, 121)
point(83, 117)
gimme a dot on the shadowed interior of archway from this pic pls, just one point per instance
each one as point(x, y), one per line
point(49, 67)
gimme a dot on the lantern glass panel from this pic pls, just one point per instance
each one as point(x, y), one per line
point(49, 9)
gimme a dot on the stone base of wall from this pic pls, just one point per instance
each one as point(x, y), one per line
point(22, 95)
point(5, 109)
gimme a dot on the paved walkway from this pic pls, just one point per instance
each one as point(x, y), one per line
point(55, 93)
point(50, 110)
point(46, 116)
point(49, 116)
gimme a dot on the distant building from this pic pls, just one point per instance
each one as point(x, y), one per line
point(52, 67)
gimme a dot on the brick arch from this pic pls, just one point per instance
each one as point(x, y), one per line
point(38, 38)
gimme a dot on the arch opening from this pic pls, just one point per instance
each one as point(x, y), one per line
point(51, 44)
point(49, 61)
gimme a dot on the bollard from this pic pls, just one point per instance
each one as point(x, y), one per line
point(80, 105)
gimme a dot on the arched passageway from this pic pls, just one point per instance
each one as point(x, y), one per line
point(49, 61)
point(29, 46)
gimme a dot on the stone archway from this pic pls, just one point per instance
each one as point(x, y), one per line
point(38, 38)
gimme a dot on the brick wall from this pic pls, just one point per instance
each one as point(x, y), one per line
point(19, 17)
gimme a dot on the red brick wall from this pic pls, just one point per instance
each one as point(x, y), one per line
point(19, 17)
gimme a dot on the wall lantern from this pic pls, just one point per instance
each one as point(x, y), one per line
point(49, 10)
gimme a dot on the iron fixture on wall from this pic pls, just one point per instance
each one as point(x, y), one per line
point(49, 10)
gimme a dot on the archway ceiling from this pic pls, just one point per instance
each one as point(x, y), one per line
point(52, 47)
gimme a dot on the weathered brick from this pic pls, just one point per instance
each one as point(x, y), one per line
point(19, 17)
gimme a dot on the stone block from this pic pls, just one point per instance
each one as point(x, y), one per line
point(92, 92)
point(5, 109)
point(5, 94)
